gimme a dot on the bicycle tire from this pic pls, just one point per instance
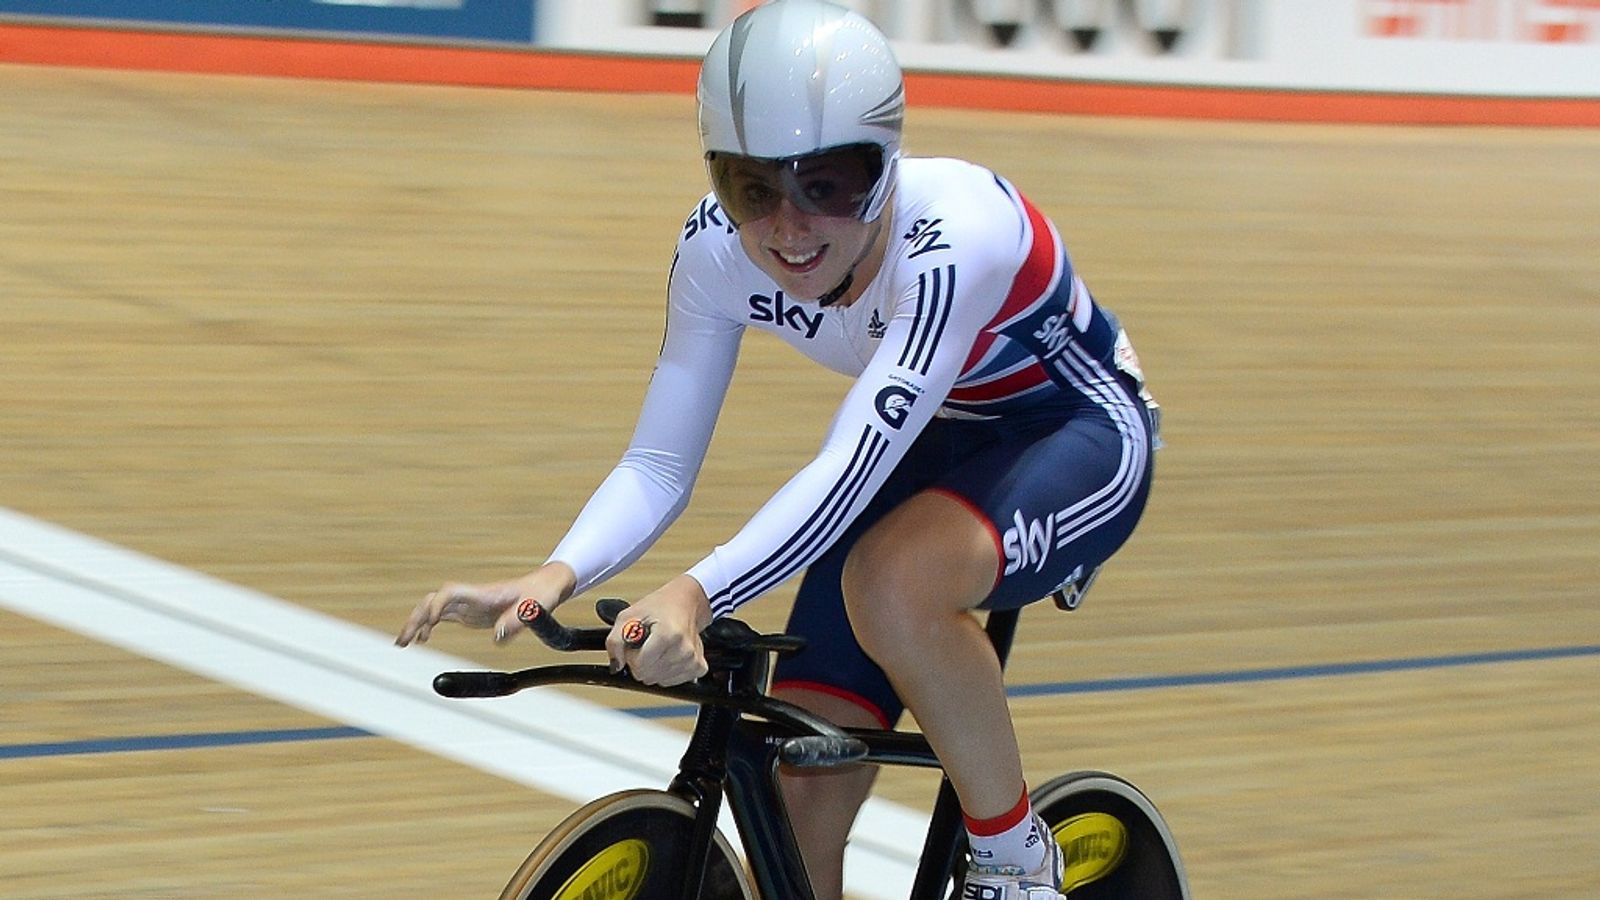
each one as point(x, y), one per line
point(629, 845)
point(1117, 845)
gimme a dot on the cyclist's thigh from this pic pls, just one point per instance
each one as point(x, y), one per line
point(1057, 504)
point(1058, 496)
point(833, 662)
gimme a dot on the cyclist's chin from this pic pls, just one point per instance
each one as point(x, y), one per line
point(809, 284)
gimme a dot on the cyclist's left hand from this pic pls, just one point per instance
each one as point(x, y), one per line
point(675, 613)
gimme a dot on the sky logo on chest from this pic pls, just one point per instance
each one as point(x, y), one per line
point(783, 313)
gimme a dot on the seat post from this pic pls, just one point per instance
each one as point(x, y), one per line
point(1001, 628)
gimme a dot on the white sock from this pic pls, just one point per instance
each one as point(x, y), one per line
point(1012, 839)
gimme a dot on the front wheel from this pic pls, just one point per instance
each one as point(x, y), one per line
point(1114, 841)
point(631, 845)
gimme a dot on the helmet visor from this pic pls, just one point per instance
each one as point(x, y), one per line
point(838, 182)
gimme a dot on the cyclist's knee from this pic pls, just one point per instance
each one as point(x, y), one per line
point(929, 559)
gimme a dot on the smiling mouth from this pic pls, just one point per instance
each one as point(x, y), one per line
point(800, 263)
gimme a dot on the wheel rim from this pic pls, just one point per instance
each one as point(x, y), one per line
point(626, 846)
point(1115, 844)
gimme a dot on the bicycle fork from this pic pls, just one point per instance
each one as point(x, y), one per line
point(743, 762)
point(699, 781)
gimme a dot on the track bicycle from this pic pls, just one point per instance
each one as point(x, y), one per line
point(665, 844)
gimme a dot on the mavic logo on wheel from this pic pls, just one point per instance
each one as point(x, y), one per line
point(1092, 846)
point(615, 873)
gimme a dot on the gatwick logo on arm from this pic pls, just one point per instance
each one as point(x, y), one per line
point(894, 401)
point(894, 405)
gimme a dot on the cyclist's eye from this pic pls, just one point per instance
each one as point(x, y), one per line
point(758, 195)
point(820, 190)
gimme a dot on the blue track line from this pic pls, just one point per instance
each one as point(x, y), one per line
point(179, 741)
point(1043, 689)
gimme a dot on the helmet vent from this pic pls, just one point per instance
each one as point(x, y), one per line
point(740, 33)
point(891, 113)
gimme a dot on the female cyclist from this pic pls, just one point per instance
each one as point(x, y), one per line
point(996, 444)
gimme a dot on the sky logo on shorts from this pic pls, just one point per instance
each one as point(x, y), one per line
point(1028, 542)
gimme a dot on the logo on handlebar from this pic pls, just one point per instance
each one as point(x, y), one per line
point(528, 610)
point(634, 633)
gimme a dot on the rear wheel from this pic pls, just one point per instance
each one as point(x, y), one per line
point(1116, 845)
point(632, 845)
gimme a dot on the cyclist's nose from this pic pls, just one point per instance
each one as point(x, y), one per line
point(790, 220)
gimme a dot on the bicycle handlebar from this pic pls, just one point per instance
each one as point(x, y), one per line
point(475, 685)
point(813, 742)
point(557, 636)
point(722, 638)
point(728, 643)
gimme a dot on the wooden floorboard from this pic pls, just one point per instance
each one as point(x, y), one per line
point(338, 342)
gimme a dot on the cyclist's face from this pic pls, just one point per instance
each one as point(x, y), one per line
point(808, 255)
point(799, 218)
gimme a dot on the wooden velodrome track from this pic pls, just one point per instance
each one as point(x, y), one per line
point(338, 342)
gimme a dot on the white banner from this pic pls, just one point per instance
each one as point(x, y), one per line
point(1507, 48)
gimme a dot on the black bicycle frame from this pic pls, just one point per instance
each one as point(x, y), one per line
point(735, 750)
point(746, 768)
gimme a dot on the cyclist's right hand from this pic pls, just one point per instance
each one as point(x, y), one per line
point(673, 616)
point(485, 605)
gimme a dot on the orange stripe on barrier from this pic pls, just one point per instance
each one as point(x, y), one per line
point(429, 64)
point(345, 60)
point(1172, 101)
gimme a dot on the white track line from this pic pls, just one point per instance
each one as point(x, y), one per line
point(543, 739)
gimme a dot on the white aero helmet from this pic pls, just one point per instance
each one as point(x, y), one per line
point(801, 99)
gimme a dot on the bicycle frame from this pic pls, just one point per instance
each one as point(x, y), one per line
point(735, 751)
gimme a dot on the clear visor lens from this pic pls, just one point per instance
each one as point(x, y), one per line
point(835, 182)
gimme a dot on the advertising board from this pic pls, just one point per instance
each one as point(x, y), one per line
point(498, 21)
point(1509, 48)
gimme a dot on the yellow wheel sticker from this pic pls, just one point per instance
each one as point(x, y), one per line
point(615, 873)
point(1092, 846)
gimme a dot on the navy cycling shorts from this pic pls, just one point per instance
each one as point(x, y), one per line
point(1060, 495)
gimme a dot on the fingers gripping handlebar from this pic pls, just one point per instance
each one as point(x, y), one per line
point(723, 636)
point(725, 640)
